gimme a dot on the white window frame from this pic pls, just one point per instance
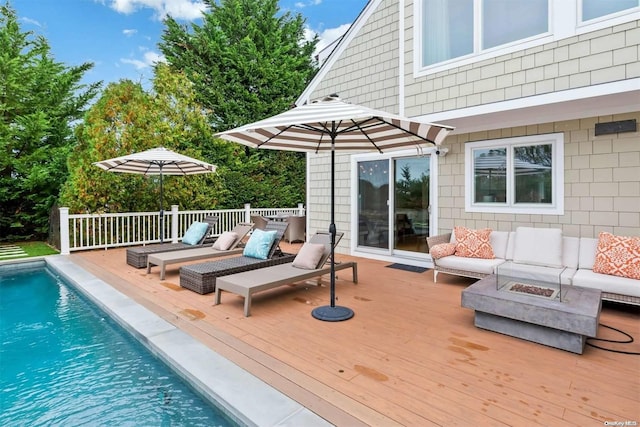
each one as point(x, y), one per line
point(555, 208)
point(564, 22)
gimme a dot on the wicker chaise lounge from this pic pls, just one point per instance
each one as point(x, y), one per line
point(201, 278)
point(137, 257)
point(164, 259)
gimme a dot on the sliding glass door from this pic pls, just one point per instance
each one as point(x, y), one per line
point(393, 204)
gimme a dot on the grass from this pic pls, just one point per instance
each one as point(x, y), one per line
point(33, 249)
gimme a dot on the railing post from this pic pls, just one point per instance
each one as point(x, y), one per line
point(247, 212)
point(174, 223)
point(64, 231)
point(300, 209)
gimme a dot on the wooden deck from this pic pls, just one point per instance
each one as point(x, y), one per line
point(410, 356)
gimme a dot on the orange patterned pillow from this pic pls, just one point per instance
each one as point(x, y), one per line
point(618, 256)
point(442, 250)
point(473, 243)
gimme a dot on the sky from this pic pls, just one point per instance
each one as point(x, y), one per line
point(120, 37)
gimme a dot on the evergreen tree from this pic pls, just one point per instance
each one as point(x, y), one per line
point(248, 61)
point(40, 99)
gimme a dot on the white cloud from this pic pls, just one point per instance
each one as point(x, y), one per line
point(148, 59)
point(31, 21)
point(129, 33)
point(301, 5)
point(179, 9)
point(326, 36)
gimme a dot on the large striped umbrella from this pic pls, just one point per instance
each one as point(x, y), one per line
point(329, 125)
point(157, 161)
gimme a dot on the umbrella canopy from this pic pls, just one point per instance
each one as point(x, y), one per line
point(156, 161)
point(329, 125)
point(496, 164)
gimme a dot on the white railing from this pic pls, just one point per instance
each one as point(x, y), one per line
point(95, 231)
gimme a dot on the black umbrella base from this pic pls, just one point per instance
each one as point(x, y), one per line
point(332, 314)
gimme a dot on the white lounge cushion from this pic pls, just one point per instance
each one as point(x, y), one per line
point(538, 246)
point(606, 282)
point(478, 265)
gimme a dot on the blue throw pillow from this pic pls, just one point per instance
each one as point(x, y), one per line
point(259, 244)
point(195, 233)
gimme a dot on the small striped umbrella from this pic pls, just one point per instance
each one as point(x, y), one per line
point(157, 161)
point(329, 125)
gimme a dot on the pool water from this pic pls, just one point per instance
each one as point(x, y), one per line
point(63, 362)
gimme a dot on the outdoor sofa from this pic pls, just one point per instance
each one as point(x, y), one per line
point(308, 264)
point(228, 243)
point(201, 278)
point(137, 257)
point(540, 253)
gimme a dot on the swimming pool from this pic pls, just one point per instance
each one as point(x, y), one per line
point(64, 362)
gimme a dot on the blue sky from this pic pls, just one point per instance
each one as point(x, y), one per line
point(121, 36)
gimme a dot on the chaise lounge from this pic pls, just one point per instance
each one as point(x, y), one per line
point(250, 282)
point(226, 244)
point(201, 278)
point(137, 257)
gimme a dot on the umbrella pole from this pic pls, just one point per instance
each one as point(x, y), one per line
point(332, 312)
point(161, 209)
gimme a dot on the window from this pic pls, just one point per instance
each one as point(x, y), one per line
point(457, 28)
point(592, 9)
point(515, 175)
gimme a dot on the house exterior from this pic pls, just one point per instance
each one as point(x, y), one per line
point(544, 96)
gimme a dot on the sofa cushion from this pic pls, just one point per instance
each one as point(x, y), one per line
point(442, 250)
point(478, 265)
point(618, 256)
point(473, 243)
point(587, 255)
point(499, 241)
point(606, 283)
point(570, 251)
point(538, 246)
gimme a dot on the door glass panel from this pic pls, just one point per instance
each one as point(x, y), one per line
point(373, 211)
point(411, 203)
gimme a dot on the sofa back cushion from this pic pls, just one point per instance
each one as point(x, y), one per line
point(538, 246)
point(587, 256)
point(499, 241)
point(570, 251)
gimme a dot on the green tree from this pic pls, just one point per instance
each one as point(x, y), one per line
point(127, 119)
point(248, 61)
point(40, 99)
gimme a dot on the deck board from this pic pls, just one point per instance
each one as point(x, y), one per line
point(410, 356)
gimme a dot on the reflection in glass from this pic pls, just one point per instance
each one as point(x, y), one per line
point(411, 203)
point(490, 175)
point(373, 211)
point(506, 21)
point(533, 167)
point(592, 9)
point(448, 30)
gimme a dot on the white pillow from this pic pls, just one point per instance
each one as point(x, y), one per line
point(309, 256)
point(225, 241)
point(538, 246)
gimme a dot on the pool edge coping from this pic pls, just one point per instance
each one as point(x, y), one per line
point(243, 397)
